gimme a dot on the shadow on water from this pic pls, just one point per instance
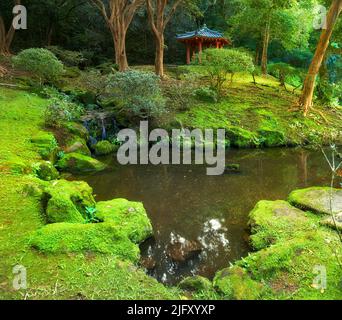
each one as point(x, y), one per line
point(208, 212)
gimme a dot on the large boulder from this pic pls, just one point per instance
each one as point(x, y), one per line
point(333, 222)
point(321, 200)
point(67, 201)
point(272, 221)
point(104, 238)
point(182, 250)
point(78, 163)
point(76, 144)
point(129, 216)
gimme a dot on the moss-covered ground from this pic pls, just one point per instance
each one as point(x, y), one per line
point(83, 275)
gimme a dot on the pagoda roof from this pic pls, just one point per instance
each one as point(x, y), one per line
point(203, 32)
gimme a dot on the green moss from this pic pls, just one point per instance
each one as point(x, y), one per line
point(196, 283)
point(129, 216)
point(273, 221)
point(103, 148)
point(75, 144)
point(66, 201)
point(46, 145)
point(78, 163)
point(317, 199)
point(45, 170)
point(94, 237)
point(235, 284)
point(242, 138)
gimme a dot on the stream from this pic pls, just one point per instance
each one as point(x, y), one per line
point(187, 206)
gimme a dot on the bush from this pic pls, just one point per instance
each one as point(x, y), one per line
point(329, 94)
point(42, 63)
point(137, 93)
point(282, 71)
point(61, 109)
point(206, 94)
point(221, 62)
point(69, 58)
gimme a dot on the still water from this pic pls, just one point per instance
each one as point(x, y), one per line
point(210, 212)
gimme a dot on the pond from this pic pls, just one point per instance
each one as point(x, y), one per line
point(207, 213)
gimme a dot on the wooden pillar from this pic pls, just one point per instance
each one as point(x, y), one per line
point(188, 54)
point(217, 44)
point(200, 51)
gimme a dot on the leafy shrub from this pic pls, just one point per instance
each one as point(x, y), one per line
point(61, 109)
point(206, 94)
point(221, 62)
point(41, 62)
point(69, 58)
point(329, 94)
point(137, 93)
point(282, 71)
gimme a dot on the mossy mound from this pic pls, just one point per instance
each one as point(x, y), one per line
point(273, 221)
point(95, 237)
point(196, 283)
point(46, 145)
point(235, 284)
point(45, 170)
point(333, 222)
point(78, 130)
point(104, 147)
point(129, 216)
point(271, 138)
point(67, 201)
point(241, 138)
point(78, 163)
point(317, 200)
point(75, 144)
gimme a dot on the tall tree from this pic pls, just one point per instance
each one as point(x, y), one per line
point(118, 15)
point(6, 36)
point(160, 13)
point(306, 100)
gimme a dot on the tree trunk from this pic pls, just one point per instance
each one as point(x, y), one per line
point(266, 41)
point(159, 59)
point(119, 37)
point(306, 100)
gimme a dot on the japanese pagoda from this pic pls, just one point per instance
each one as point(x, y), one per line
point(201, 39)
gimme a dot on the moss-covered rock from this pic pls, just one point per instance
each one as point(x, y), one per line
point(77, 129)
point(46, 145)
point(235, 284)
point(45, 170)
point(76, 144)
point(271, 138)
point(129, 216)
point(95, 237)
point(104, 147)
point(67, 201)
point(333, 222)
point(195, 283)
point(272, 221)
point(241, 138)
point(317, 199)
point(78, 163)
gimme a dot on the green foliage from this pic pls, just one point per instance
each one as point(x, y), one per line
point(329, 94)
point(61, 109)
point(206, 94)
point(69, 58)
point(137, 93)
point(221, 62)
point(104, 147)
point(91, 215)
point(42, 63)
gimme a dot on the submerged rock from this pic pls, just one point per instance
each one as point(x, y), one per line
point(92, 237)
point(129, 216)
point(232, 168)
point(195, 283)
point(322, 200)
point(180, 251)
point(148, 263)
point(67, 201)
point(78, 163)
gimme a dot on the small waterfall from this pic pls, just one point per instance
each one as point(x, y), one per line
point(92, 140)
point(104, 133)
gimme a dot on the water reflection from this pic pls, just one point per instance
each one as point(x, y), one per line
point(188, 208)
